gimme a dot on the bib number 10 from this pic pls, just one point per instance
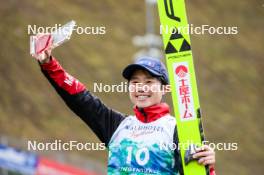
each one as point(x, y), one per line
point(141, 156)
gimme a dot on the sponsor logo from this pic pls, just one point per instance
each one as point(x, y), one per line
point(184, 91)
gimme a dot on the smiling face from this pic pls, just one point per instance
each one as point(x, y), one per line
point(145, 90)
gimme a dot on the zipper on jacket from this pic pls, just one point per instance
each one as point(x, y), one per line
point(144, 114)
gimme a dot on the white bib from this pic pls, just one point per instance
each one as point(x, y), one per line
point(135, 147)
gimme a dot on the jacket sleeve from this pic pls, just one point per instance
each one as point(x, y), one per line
point(102, 120)
point(177, 156)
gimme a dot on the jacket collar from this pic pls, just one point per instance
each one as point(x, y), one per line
point(151, 113)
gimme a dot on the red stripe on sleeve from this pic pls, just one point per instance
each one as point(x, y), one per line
point(61, 77)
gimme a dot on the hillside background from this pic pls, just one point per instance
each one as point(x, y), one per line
point(229, 71)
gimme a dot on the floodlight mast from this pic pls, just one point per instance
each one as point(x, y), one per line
point(150, 43)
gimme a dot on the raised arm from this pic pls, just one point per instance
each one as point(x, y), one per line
point(101, 119)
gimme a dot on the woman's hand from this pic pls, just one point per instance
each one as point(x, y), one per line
point(205, 155)
point(45, 56)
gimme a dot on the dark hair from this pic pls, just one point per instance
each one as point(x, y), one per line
point(161, 79)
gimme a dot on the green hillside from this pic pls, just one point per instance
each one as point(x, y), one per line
point(229, 70)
